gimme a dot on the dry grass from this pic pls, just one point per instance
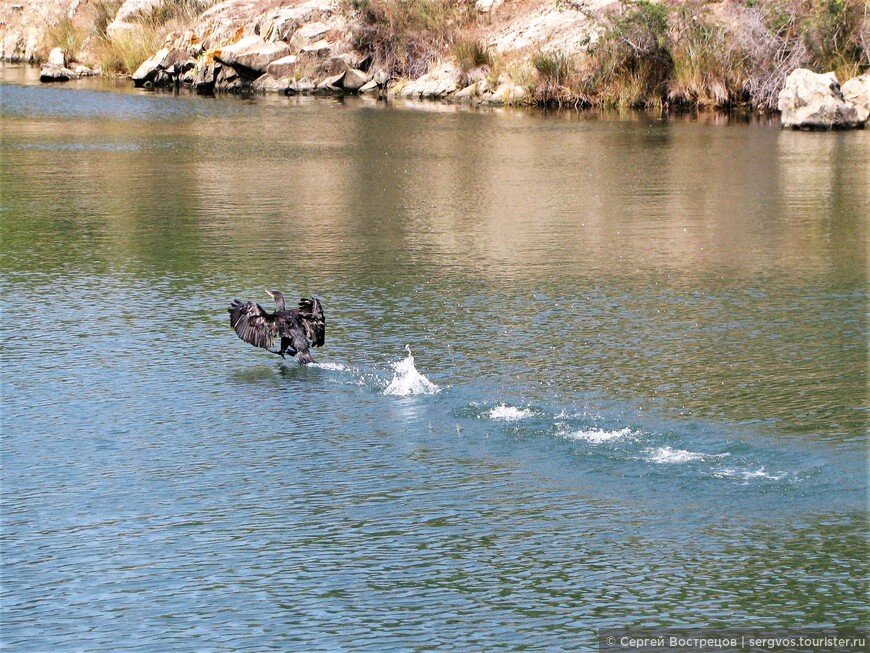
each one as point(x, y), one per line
point(498, 67)
point(556, 73)
point(766, 47)
point(523, 74)
point(66, 35)
point(777, 36)
point(104, 13)
point(681, 54)
point(174, 13)
point(630, 64)
point(707, 70)
point(470, 53)
point(405, 37)
point(127, 50)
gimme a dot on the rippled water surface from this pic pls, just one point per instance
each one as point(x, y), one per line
point(580, 371)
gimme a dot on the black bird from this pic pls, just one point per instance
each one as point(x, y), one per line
point(299, 328)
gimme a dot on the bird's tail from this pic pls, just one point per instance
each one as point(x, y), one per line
point(304, 357)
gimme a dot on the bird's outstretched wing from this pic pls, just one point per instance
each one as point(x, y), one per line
point(313, 320)
point(253, 324)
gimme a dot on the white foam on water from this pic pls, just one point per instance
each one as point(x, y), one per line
point(747, 474)
point(507, 413)
point(408, 381)
point(349, 374)
point(564, 414)
point(597, 436)
point(333, 367)
point(668, 455)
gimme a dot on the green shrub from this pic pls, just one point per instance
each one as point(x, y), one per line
point(555, 74)
point(630, 63)
point(837, 35)
point(552, 67)
point(782, 35)
point(470, 53)
point(707, 68)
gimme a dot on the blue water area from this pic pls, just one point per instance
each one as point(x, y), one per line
point(580, 372)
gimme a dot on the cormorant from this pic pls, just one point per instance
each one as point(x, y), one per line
point(299, 328)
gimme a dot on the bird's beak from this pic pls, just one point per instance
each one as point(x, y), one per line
point(269, 292)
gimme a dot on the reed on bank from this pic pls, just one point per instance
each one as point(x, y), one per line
point(651, 54)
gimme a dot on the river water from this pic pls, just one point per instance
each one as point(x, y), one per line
point(581, 371)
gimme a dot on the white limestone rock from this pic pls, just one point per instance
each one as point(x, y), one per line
point(252, 53)
point(57, 58)
point(856, 92)
point(813, 101)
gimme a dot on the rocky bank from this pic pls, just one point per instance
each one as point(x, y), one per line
point(322, 46)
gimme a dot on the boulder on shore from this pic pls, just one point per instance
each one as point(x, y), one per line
point(856, 92)
point(309, 34)
point(205, 75)
point(55, 73)
point(252, 53)
point(435, 84)
point(330, 84)
point(354, 80)
point(369, 87)
point(318, 49)
point(506, 93)
point(813, 101)
point(466, 94)
point(164, 60)
point(129, 15)
point(303, 85)
point(268, 83)
point(57, 58)
point(283, 67)
point(228, 80)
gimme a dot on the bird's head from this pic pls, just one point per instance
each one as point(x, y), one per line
point(278, 297)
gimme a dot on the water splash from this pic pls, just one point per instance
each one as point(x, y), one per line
point(408, 381)
point(333, 367)
point(583, 414)
point(510, 413)
point(670, 456)
point(597, 436)
point(747, 474)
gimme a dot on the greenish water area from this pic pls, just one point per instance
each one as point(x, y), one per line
point(581, 371)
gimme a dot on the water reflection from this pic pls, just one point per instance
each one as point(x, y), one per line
point(721, 253)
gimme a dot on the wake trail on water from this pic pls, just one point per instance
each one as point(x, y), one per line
point(507, 413)
point(332, 367)
point(598, 435)
point(671, 456)
point(610, 442)
point(614, 443)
